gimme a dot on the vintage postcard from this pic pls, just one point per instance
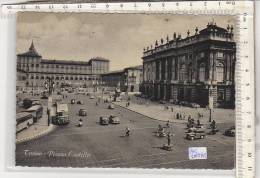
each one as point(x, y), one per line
point(126, 90)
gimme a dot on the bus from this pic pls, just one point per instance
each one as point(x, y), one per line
point(36, 111)
point(23, 121)
point(62, 115)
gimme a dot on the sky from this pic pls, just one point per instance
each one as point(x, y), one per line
point(117, 37)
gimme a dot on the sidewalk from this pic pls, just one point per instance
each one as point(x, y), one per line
point(36, 130)
point(159, 112)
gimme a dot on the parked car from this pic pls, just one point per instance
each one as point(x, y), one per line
point(195, 134)
point(111, 106)
point(118, 99)
point(92, 97)
point(184, 103)
point(82, 112)
point(230, 131)
point(103, 120)
point(72, 101)
point(114, 119)
point(44, 96)
point(162, 102)
point(79, 102)
point(194, 105)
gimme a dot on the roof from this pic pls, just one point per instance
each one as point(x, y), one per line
point(115, 72)
point(51, 61)
point(31, 52)
point(139, 67)
point(34, 108)
point(211, 27)
point(99, 59)
point(62, 107)
point(22, 114)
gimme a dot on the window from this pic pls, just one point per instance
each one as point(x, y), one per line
point(71, 78)
point(57, 66)
point(32, 65)
point(183, 72)
point(219, 54)
point(42, 77)
point(220, 72)
point(67, 78)
point(202, 72)
point(202, 54)
point(37, 77)
point(57, 78)
point(37, 65)
point(32, 77)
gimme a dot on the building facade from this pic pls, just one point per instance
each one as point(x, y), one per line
point(39, 70)
point(127, 80)
point(133, 77)
point(199, 68)
point(112, 80)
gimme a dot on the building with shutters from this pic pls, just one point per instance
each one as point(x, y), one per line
point(76, 73)
point(195, 68)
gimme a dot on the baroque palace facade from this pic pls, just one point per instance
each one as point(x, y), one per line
point(33, 71)
point(199, 68)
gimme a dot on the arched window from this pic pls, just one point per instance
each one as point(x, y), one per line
point(220, 72)
point(202, 72)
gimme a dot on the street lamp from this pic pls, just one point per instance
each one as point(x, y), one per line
point(210, 102)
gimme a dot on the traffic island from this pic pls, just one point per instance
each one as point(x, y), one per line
point(38, 129)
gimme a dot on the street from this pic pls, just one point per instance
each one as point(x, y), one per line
point(95, 145)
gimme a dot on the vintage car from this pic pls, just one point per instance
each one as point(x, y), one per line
point(114, 119)
point(82, 112)
point(192, 134)
point(44, 96)
point(72, 101)
point(103, 120)
point(194, 105)
point(111, 106)
point(79, 102)
point(230, 132)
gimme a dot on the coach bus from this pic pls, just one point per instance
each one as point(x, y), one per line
point(23, 121)
point(62, 114)
point(36, 112)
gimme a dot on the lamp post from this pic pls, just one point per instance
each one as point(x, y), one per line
point(210, 103)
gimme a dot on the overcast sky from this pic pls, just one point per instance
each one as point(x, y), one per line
point(117, 37)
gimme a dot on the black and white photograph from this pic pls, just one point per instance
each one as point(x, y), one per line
point(97, 90)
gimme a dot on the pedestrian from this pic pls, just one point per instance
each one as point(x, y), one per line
point(127, 132)
point(172, 109)
point(198, 122)
point(177, 115)
point(168, 124)
point(169, 139)
point(189, 118)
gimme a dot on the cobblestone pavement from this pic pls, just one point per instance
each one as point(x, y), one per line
point(165, 112)
point(94, 145)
